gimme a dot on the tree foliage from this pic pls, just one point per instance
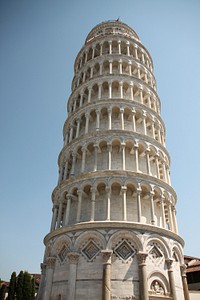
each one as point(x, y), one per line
point(19, 286)
point(12, 287)
point(26, 286)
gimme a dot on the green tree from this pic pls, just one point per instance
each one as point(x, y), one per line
point(32, 288)
point(12, 287)
point(26, 287)
point(19, 286)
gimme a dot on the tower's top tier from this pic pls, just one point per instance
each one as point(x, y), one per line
point(111, 28)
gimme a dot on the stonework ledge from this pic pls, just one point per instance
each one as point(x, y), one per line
point(114, 224)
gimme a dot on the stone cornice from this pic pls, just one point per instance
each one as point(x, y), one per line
point(139, 177)
point(111, 77)
point(111, 102)
point(101, 134)
point(142, 228)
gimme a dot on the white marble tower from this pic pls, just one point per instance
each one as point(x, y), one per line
point(113, 233)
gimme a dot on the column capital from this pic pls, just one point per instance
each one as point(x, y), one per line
point(141, 256)
point(43, 268)
point(73, 257)
point(93, 189)
point(51, 260)
point(107, 255)
point(124, 189)
point(108, 189)
point(79, 191)
point(121, 110)
point(169, 262)
point(183, 269)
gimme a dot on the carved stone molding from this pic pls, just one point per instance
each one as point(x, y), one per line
point(51, 262)
point(141, 256)
point(43, 267)
point(73, 257)
point(106, 255)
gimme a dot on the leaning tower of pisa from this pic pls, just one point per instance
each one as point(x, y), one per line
point(113, 232)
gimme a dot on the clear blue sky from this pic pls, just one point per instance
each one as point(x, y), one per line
point(39, 41)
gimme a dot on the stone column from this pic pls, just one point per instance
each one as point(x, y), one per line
point(78, 127)
point(93, 191)
point(128, 48)
point(120, 66)
point(73, 261)
point(109, 156)
point(83, 159)
point(153, 128)
point(49, 277)
point(87, 116)
point(136, 157)
point(141, 256)
point(151, 194)
point(110, 89)
point(119, 46)
point(170, 217)
point(86, 57)
point(109, 118)
point(174, 219)
point(66, 170)
point(138, 73)
point(89, 94)
point(184, 282)
point(131, 90)
point(148, 161)
point(123, 156)
point(95, 156)
point(106, 285)
point(98, 119)
point(101, 48)
point(141, 96)
point(73, 163)
point(81, 99)
point(99, 90)
point(139, 211)
point(144, 121)
point(162, 198)
point(110, 66)
point(108, 190)
point(54, 217)
point(60, 213)
point(122, 118)
point(136, 53)
point(171, 278)
point(124, 189)
point(78, 216)
point(68, 206)
point(66, 137)
point(71, 133)
point(129, 69)
point(133, 115)
point(157, 166)
point(121, 89)
point(93, 50)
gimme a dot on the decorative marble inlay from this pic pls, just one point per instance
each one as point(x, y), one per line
point(124, 250)
point(155, 253)
point(90, 250)
point(63, 253)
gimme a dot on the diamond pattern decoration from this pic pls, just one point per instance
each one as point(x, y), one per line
point(156, 254)
point(124, 250)
point(63, 253)
point(91, 250)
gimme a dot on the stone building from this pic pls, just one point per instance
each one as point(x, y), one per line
point(113, 233)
